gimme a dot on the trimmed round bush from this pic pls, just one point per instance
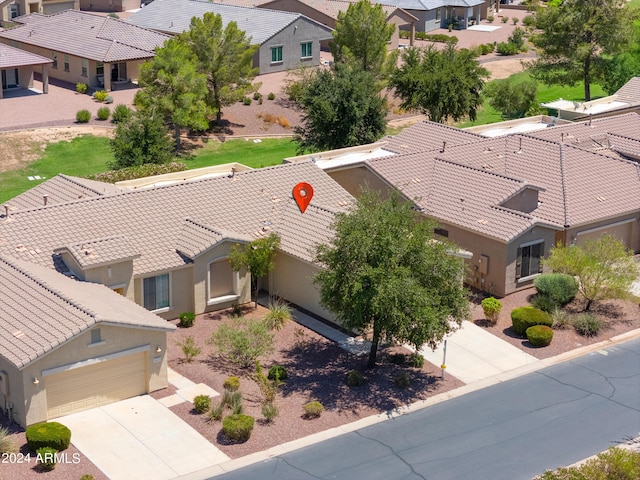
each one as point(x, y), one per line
point(539, 335)
point(587, 324)
point(231, 384)
point(202, 403)
point(86, 477)
point(81, 87)
point(560, 288)
point(416, 360)
point(186, 319)
point(278, 370)
point(108, 99)
point(397, 358)
point(246, 101)
point(402, 380)
point(271, 96)
point(238, 427)
point(46, 457)
point(103, 113)
point(491, 307)
point(100, 95)
point(525, 317)
point(83, 116)
point(313, 409)
point(120, 113)
point(354, 378)
point(51, 434)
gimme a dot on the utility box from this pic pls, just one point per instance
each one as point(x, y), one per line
point(4, 383)
point(483, 264)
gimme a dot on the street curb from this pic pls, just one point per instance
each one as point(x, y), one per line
point(297, 444)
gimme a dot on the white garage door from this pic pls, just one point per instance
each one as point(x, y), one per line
point(94, 385)
point(620, 230)
point(56, 7)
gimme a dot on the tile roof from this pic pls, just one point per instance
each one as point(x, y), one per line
point(40, 310)
point(433, 4)
point(175, 16)
point(86, 35)
point(196, 238)
point(153, 219)
point(426, 136)
point(61, 189)
point(630, 91)
point(101, 251)
point(331, 8)
point(11, 57)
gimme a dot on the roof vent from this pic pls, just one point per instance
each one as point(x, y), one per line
point(6, 212)
point(601, 199)
point(45, 199)
point(444, 146)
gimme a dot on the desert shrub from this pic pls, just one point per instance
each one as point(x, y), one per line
point(397, 358)
point(278, 315)
point(189, 349)
point(86, 477)
point(560, 288)
point(108, 99)
point(103, 113)
point(238, 427)
point(120, 113)
point(544, 303)
point(561, 319)
point(529, 21)
point(201, 403)
point(82, 87)
point(402, 380)
point(247, 101)
point(7, 445)
point(439, 38)
point(525, 317)
point(186, 319)
point(49, 434)
point(615, 463)
point(236, 404)
point(268, 388)
point(515, 20)
point(504, 19)
point(83, 116)
point(269, 411)
point(277, 372)
point(46, 457)
point(507, 48)
point(271, 96)
point(486, 48)
point(539, 335)
point(139, 171)
point(216, 412)
point(416, 360)
point(283, 122)
point(491, 307)
point(243, 341)
point(100, 95)
point(313, 409)
point(231, 384)
point(236, 310)
point(257, 95)
point(355, 378)
point(587, 324)
point(268, 118)
point(490, 18)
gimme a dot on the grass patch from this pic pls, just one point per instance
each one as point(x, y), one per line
point(87, 154)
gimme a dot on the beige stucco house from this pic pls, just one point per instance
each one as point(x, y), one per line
point(68, 345)
point(17, 68)
point(86, 48)
point(11, 9)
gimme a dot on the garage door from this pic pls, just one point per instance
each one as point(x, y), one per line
point(621, 231)
point(56, 7)
point(94, 385)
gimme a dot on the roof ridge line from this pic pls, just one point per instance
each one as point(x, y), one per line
point(563, 182)
point(470, 167)
point(75, 182)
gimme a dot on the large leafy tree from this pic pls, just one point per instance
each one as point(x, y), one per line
point(174, 88)
point(362, 34)
point(512, 99)
point(384, 274)
point(342, 108)
point(443, 84)
point(225, 55)
point(574, 38)
point(604, 267)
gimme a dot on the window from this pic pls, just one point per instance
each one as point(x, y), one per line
point(306, 50)
point(441, 231)
point(155, 292)
point(85, 67)
point(54, 55)
point(95, 336)
point(437, 14)
point(99, 68)
point(66, 63)
point(222, 281)
point(14, 10)
point(528, 262)
point(276, 54)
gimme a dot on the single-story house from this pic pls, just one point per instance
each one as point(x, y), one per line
point(326, 12)
point(434, 14)
point(286, 40)
point(509, 199)
point(66, 345)
point(98, 50)
point(10, 9)
point(17, 67)
point(109, 5)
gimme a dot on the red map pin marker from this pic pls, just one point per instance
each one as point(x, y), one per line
point(302, 193)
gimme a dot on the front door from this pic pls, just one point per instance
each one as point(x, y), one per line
point(10, 78)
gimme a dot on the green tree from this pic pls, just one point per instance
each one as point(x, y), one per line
point(342, 108)
point(362, 34)
point(140, 139)
point(442, 84)
point(258, 257)
point(384, 274)
point(511, 99)
point(174, 88)
point(225, 56)
point(243, 341)
point(604, 267)
point(614, 464)
point(574, 39)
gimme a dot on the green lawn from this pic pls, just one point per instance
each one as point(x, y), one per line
point(87, 155)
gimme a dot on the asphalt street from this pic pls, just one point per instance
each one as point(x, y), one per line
point(510, 431)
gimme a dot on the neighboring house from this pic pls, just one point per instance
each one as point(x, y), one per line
point(625, 100)
point(326, 12)
point(434, 14)
point(10, 9)
point(86, 48)
point(17, 67)
point(166, 248)
point(509, 199)
point(67, 346)
point(109, 5)
point(286, 40)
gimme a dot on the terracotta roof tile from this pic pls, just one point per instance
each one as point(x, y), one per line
point(11, 57)
point(92, 253)
point(427, 136)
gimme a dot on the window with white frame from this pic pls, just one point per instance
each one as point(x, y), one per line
point(66, 63)
point(529, 260)
point(223, 280)
point(276, 54)
point(155, 292)
point(85, 67)
point(306, 50)
point(437, 14)
point(54, 56)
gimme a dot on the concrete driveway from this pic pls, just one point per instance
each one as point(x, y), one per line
point(140, 438)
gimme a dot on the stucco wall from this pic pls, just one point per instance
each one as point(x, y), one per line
point(109, 5)
point(181, 292)
point(15, 399)
point(355, 179)
point(117, 275)
point(634, 225)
